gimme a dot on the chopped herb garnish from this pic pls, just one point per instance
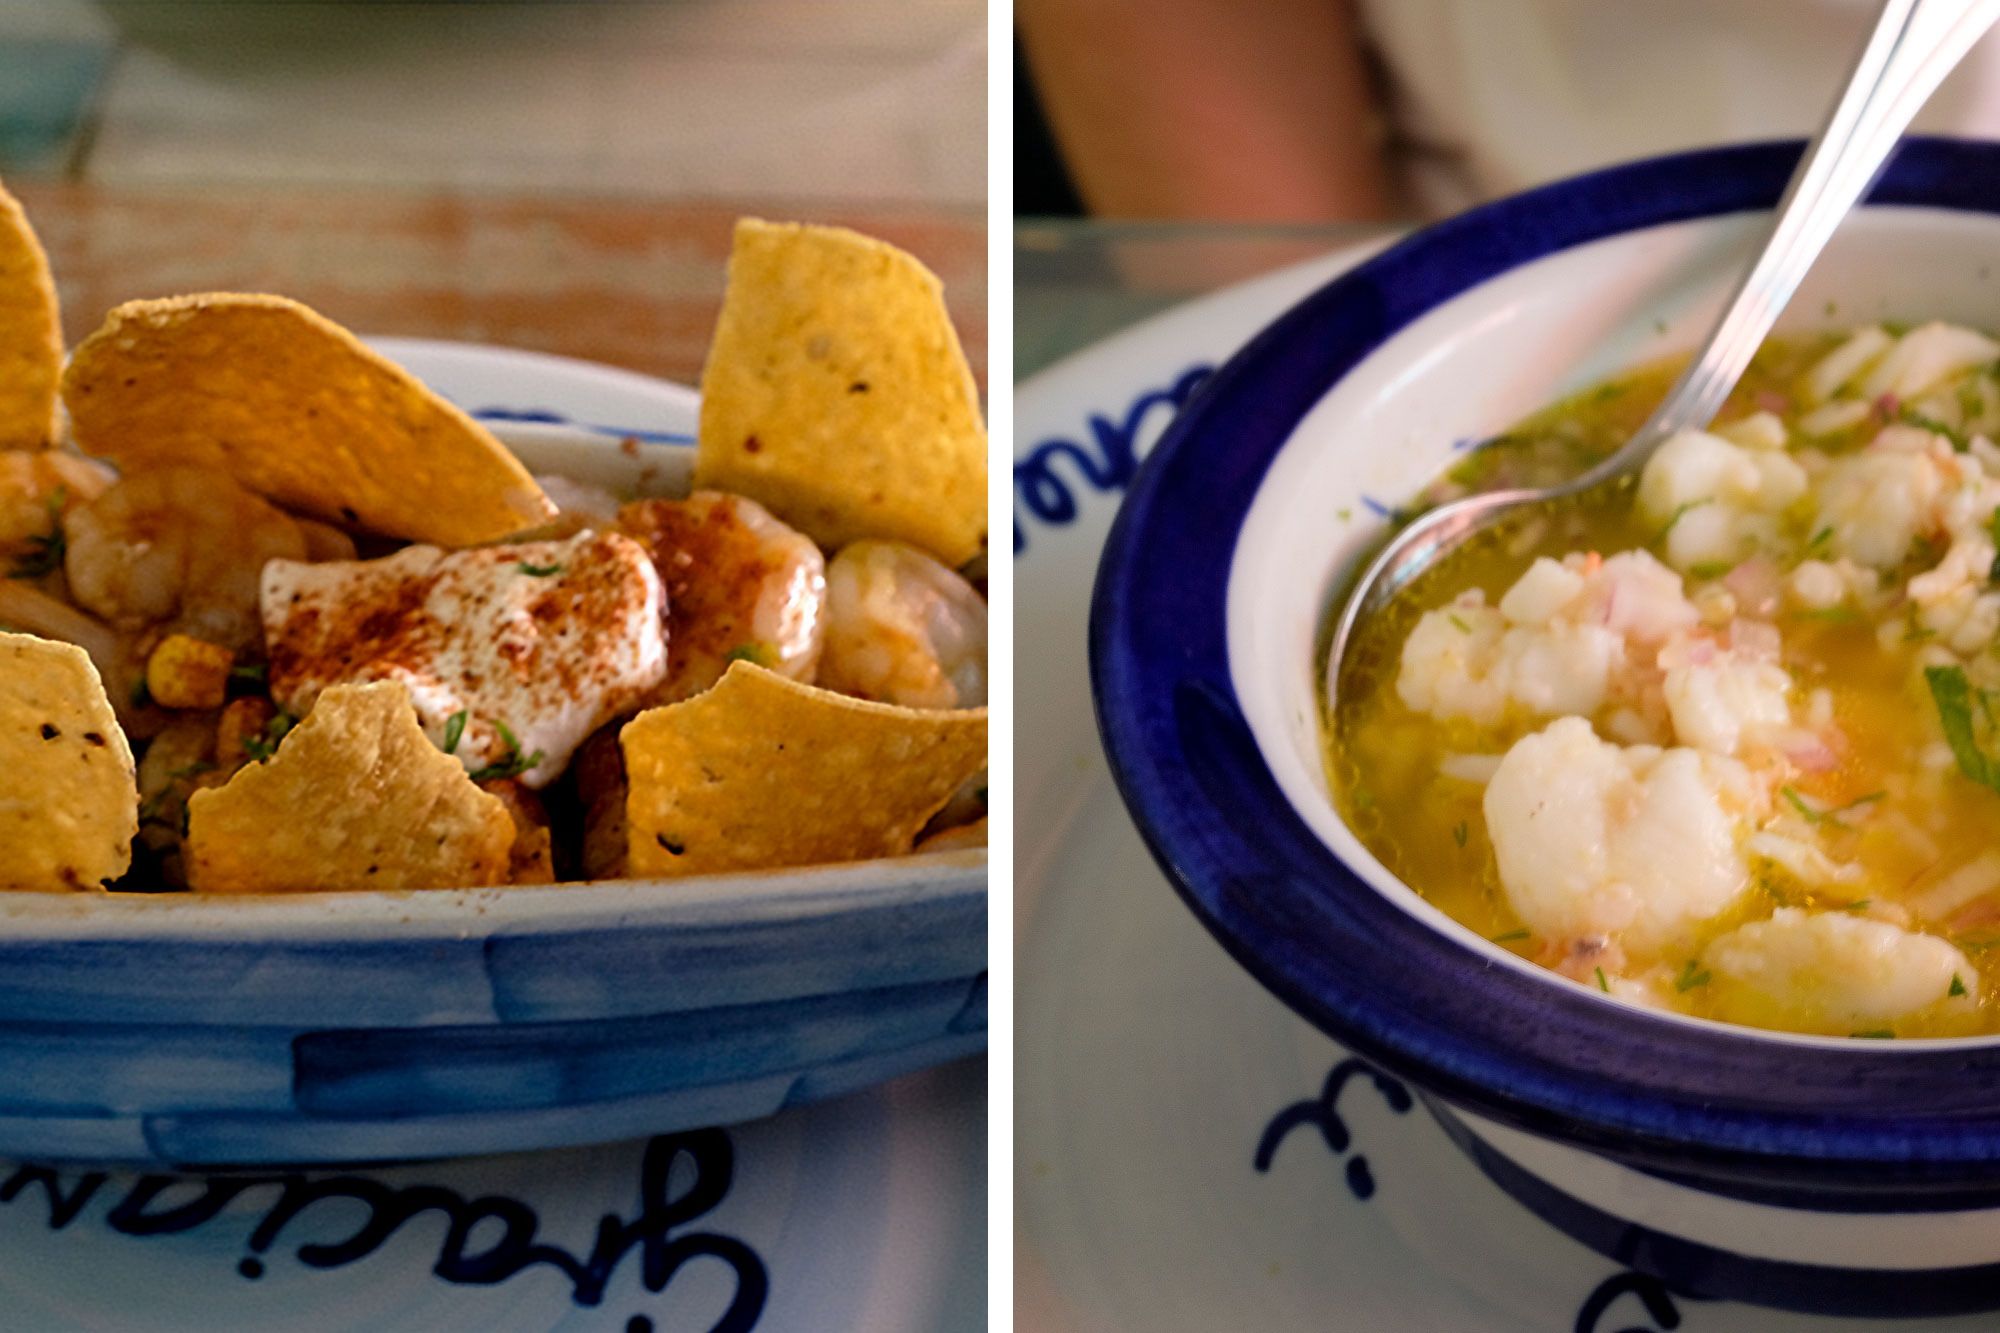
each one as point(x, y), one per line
point(1993, 531)
point(1819, 539)
point(511, 763)
point(1874, 1034)
point(1694, 974)
point(1957, 987)
point(142, 697)
point(1711, 569)
point(1511, 935)
point(252, 673)
point(1829, 815)
point(1460, 833)
point(45, 553)
point(1681, 513)
point(1457, 623)
point(1910, 416)
point(262, 747)
point(1953, 695)
point(454, 731)
point(756, 654)
point(1970, 401)
point(539, 571)
point(1602, 984)
point(193, 770)
point(1858, 905)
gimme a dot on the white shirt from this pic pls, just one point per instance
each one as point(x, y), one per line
point(1492, 96)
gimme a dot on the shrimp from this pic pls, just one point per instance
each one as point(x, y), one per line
point(178, 548)
point(1835, 972)
point(1613, 845)
point(36, 490)
point(739, 584)
point(903, 629)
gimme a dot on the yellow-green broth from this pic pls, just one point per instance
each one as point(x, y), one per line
point(1907, 827)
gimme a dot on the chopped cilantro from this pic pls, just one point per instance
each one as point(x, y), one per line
point(1819, 539)
point(1912, 417)
point(1957, 987)
point(1460, 832)
point(756, 654)
point(45, 553)
point(1874, 1034)
point(1679, 514)
point(1711, 569)
point(1970, 401)
point(142, 697)
point(252, 673)
point(539, 571)
point(1953, 695)
point(1602, 984)
point(454, 731)
point(262, 747)
point(1458, 623)
point(1511, 935)
point(1858, 905)
point(511, 764)
point(1691, 976)
point(1831, 814)
point(195, 769)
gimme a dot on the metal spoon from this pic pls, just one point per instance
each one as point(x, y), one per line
point(1914, 45)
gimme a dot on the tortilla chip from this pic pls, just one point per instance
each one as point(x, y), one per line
point(295, 408)
point(836, 394)
point(355, 798)
point(69, 794)
point(30, 334)
point(762, 772)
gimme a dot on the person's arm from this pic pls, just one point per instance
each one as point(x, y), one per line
point(1212, 109)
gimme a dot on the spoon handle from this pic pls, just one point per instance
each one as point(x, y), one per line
point(1914, 45)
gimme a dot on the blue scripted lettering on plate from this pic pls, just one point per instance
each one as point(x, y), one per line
point(1320, 1111)
point(159, 1204)
point(1649, 1291)
point(1105, 464)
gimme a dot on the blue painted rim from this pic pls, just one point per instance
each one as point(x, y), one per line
point(1704, 1272)
point(1692, 1099)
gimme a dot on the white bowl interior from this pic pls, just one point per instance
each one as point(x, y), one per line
point(1477, 364)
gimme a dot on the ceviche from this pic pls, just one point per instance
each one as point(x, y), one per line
point(278, 617)
point(1727, 743)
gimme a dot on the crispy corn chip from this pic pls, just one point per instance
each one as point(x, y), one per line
point(355, 798)
point(762, 772)
point(69, 794)
point(837, 395)
point(30, 334)
point(297, 410)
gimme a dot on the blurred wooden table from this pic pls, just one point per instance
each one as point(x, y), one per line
point(626, 282)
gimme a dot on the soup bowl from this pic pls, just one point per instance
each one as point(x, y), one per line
point(1830, 1175)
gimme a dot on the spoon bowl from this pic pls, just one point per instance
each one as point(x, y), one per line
point(1913, 45)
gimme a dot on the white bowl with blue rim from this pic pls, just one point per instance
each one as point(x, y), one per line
point(1828, 1175)
point(191, 1030)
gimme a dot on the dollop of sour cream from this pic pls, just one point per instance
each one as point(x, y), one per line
point(537, 644)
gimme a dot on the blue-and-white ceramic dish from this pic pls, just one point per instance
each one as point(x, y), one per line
point(1825, 1175)
point(303, 1028)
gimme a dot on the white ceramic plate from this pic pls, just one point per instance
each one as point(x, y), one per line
point(1153, 1074)
point(864, 1213)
